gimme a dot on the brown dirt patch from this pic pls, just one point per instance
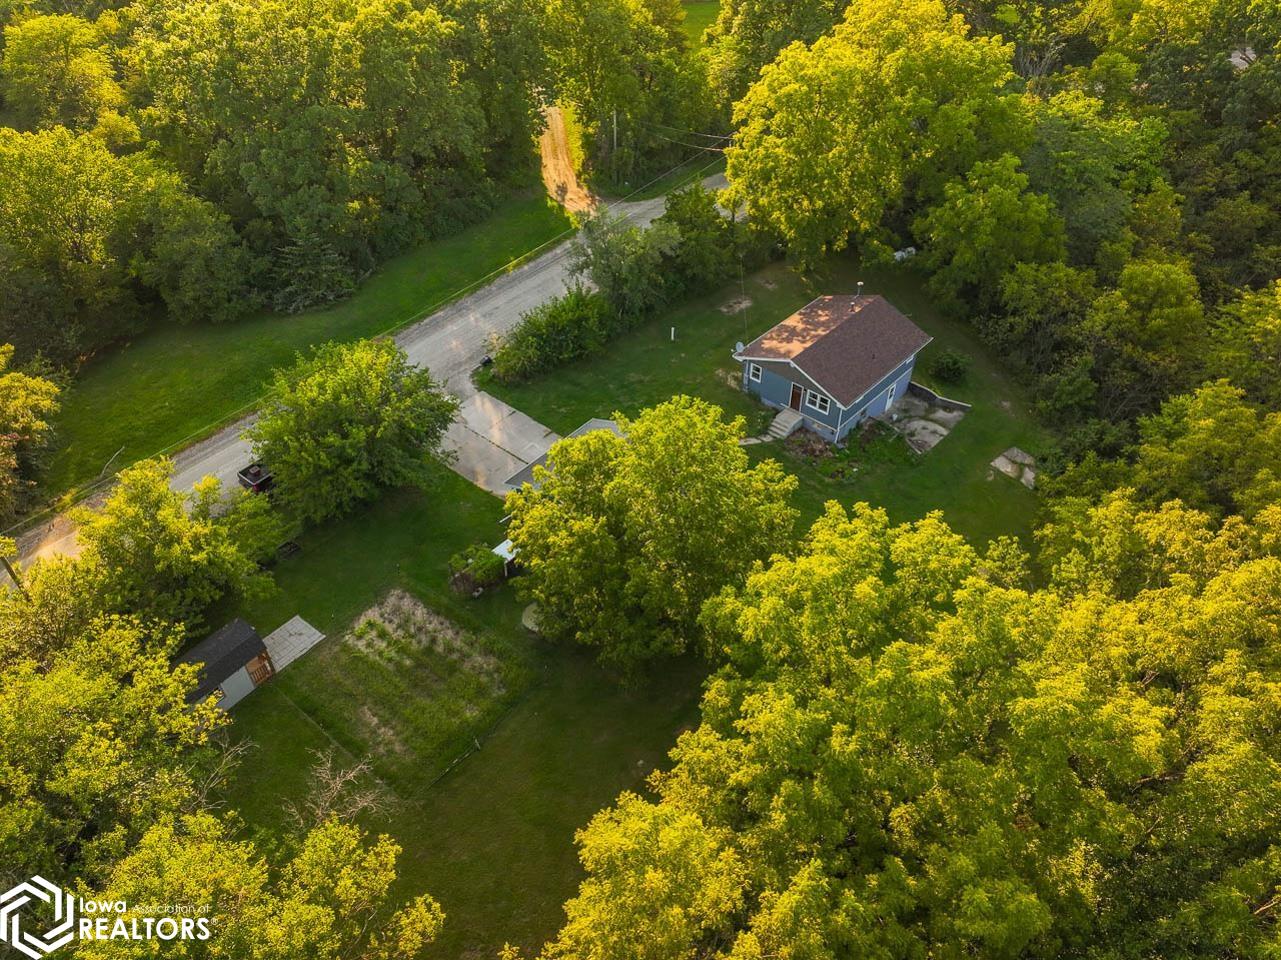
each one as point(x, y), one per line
point(559, 174)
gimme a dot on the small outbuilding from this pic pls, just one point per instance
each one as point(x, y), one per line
point(233, 662)
point(526, 473)
point(835, 362)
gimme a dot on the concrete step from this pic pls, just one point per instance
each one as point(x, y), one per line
point(785, 424)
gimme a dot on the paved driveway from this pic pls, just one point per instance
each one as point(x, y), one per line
point(450, 343)
point(491, 441)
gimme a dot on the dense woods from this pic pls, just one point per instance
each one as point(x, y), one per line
point(1086, 181)
point(909, 745)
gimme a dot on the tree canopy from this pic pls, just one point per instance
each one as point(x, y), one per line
point(346, 422)
point(623, 537)
point(907, 753)
point(835, 137)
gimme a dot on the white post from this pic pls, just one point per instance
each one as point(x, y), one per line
point(673, 334)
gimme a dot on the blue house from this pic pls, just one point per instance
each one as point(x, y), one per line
point(835, 362)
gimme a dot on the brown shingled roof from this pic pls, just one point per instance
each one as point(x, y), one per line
point(845, 344)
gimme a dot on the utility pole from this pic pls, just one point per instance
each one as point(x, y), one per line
point(616, 130)
point(13, 575)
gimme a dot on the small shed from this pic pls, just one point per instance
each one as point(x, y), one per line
point(233, 661)
point(526, 473)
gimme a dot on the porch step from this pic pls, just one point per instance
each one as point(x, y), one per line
point(785, 424)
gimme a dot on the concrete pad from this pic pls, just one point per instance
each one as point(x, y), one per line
point(290, 641)
point(1008, 467)
point(480, 461)
point(491, 441)
point(922, 435)
point(1021, 457)
point(947, 418)
point(911, 407)
point(506, 427)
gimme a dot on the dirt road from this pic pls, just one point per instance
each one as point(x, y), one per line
point(558, 169)
point(450, 343)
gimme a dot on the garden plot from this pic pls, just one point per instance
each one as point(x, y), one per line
point(404, 687)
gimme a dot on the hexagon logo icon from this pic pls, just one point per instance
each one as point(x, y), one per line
point(36, 943)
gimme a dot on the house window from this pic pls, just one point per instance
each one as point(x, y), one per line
point(817, 401)
point(753, 373)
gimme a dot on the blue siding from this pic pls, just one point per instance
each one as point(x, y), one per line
point(874, 400)
point(775, 390)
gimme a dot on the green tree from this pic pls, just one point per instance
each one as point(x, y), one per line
point(27, 403)
point(48, 614)
point(708, 250)
point(749, 34)
point(1042, 308)
point(983, 228)
point(1142, 336)
point(80, 228)
point(906, 756)
point(1246, 344)
point(330, 901)
point(153, 551)
point(876, 116)
point(1212, 451)
point(1093, 166)
point(351, 122)
point(626, 262)
point(56, 70)
point(97, 743)
point(347, 422)
point(637, 92)
point(625, 536)
point(555, 332)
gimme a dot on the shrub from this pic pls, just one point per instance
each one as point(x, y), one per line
point(474, 567)
point(951, 366)
point(707, 253)
point(627, 264)
point(555, 333)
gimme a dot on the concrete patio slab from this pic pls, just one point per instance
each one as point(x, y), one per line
point(290, 641)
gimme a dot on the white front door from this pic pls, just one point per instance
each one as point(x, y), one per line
point(889, 395)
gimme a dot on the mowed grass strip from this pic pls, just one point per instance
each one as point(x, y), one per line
point(493, 839)
point(646, 366)
point(177, 380)
point(699, 15)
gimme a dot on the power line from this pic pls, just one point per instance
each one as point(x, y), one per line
point(421, 313)
point(692, 146)
point(681, 130)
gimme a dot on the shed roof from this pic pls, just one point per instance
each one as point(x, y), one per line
point(223, 652)
point(844, 343)
point(526, 473)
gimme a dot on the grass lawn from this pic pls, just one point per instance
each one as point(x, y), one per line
point(699, 15)
point(646, 366)
point(493, 839)
point(176, 382)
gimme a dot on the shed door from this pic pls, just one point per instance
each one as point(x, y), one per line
point(795, 402)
